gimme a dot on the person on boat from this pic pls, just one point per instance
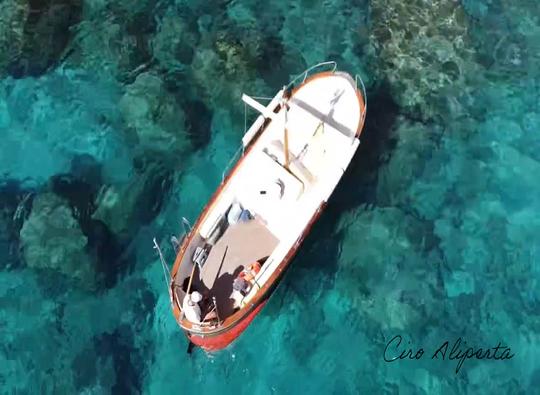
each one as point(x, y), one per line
point(242, 284)
point(191, 307)
point(240, 288)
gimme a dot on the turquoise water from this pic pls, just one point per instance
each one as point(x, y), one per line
point(118, 118)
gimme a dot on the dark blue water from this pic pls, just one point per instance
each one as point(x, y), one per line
point(117, 119)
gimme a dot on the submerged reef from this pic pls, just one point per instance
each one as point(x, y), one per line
point(424, 51)
point(125, 207)
point(505, 42)
point(154, 120)
point(176, 39)
point(52, 239)
point(15, 202)
point(56, 118)
point(362, 272)
point(12, 20)
point(114, 38)
point(118, 118)
point(88, 342)
point(35, 34)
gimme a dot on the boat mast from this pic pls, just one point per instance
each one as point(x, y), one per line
point(285, 104)
point(267, 113)
point(259, 107)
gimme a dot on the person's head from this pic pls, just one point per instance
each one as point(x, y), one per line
point(196, 297)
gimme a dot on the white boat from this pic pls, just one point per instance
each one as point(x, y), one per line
point(292, 159)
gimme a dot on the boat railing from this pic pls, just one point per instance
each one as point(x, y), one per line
point(233, 160)
point(186, 225)
point(303, 76)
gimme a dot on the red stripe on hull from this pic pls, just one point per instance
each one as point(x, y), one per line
point(218, 342)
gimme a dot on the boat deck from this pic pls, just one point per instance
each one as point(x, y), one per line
point(240, 245)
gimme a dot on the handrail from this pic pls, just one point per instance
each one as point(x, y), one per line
point(231, 161)
point(306, 72)
point(186, 226)
point(186, 230)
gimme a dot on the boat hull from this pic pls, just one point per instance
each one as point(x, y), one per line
point(222, 340)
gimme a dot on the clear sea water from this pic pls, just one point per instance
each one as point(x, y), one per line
point(118, 118)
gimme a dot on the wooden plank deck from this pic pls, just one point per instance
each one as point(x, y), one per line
point(240, 245)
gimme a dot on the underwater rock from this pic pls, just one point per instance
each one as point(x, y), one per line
point(25, 312)
point(79, 187)
point(58, 117)
point(34, 34)
point(234, 54)
point(114, 37)
point(52, 239)
point(155, 120)
point(123, 208)
point(306, 33)
point(381, 229)
point(71, 322)
point(78, 194)
point(15, 203)
point(406, 167)
point(505, 42)
point(423, 50)
point(119, 349)
point(471, 174)
point(175, 41)
point(459, 282)
point(383, 270)
point(86, 168)
point(198, 123)
point(12, 21)
point(223, 69)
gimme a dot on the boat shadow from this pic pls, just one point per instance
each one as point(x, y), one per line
point(317, 259)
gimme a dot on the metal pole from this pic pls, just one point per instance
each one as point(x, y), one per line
point(285, 106)
point(191, 278)
point(166, 273)
point(286, 139)
point(217, 311)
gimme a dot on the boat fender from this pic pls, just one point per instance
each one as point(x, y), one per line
point(235, 213)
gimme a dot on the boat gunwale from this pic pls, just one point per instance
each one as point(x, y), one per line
point(210, 328)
